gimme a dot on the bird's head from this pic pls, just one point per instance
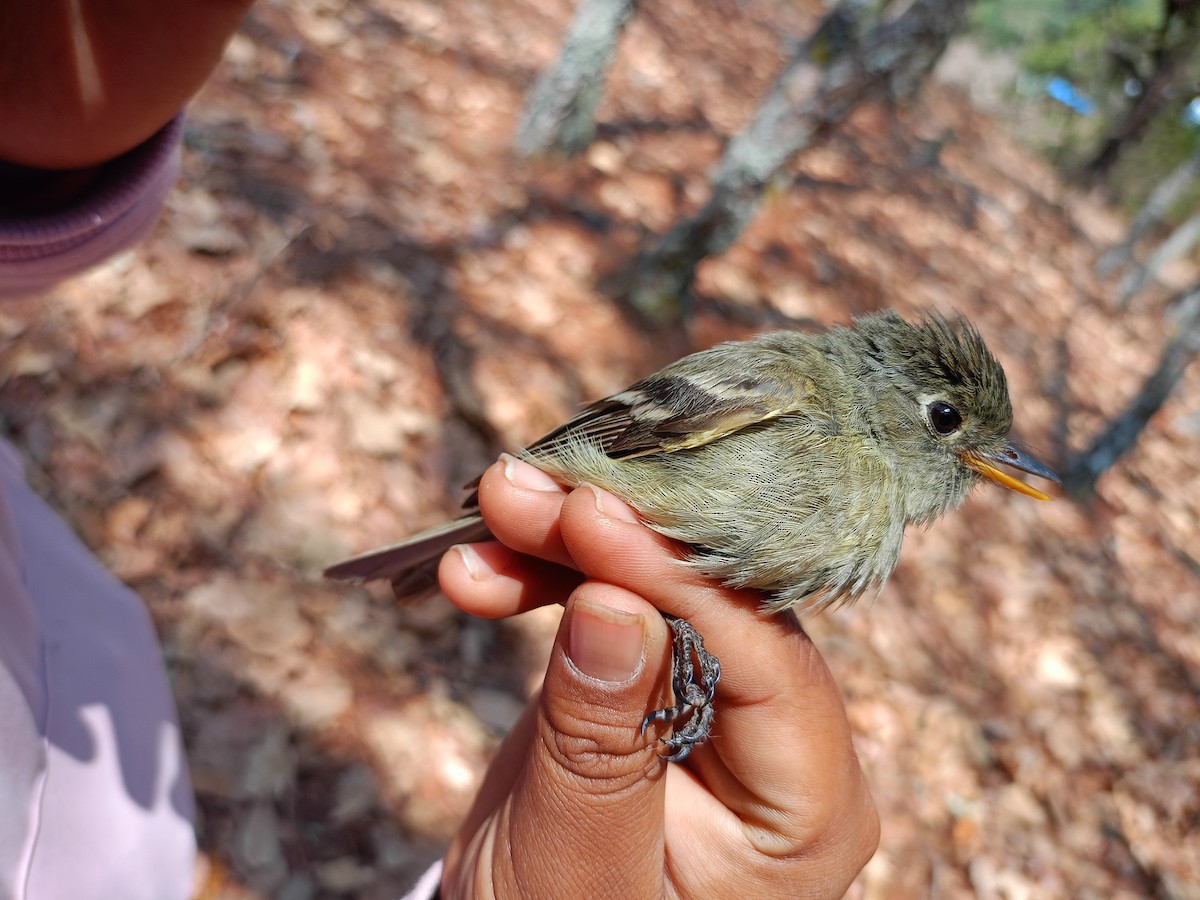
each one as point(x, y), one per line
point(946, 412)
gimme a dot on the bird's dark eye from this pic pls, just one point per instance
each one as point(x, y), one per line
point(944, 418)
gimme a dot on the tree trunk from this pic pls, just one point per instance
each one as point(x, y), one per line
point(560, 114)
point(1131, 126)
point(1122, 433)
point(1172, 56)
point(1152, 212)
point(1180, 241)
point(834, 71)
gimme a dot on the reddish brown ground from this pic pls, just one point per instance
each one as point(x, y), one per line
point(356, 297)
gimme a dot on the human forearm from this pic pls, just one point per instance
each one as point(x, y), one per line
point(82, 82)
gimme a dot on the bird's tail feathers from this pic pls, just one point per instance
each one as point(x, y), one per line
point(410, 564)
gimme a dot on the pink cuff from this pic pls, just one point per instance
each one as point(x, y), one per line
point(37, 251)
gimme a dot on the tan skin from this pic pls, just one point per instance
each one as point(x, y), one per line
point(576, 803)
point(82, 81)
point(775, 805)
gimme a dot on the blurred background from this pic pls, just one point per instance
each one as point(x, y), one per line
point(360, 292)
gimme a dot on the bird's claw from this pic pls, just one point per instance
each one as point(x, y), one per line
point(695, 673)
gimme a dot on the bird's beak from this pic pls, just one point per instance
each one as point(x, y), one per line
point(988, 465)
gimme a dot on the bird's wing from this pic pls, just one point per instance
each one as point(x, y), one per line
point(688, 404)
point(692, 402)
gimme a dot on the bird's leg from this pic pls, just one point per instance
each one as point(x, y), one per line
point(693, 696)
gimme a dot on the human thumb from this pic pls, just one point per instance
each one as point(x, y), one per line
point(587, 812)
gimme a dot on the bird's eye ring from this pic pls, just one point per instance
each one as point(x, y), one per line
point(944, 418)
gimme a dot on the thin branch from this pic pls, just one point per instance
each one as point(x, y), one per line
point(1123, 431)
point(831, 73)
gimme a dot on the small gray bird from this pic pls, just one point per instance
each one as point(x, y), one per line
point(789, 464)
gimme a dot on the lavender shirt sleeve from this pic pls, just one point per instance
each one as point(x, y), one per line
point(94, 792)
point(36, 251)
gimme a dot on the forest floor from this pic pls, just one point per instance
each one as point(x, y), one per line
point(357, 296)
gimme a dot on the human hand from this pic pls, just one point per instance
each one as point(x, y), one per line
point(577, 802)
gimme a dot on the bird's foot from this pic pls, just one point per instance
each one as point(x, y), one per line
point(695, 673)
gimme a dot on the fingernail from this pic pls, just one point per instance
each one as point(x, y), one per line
point(473, 562)
point(523, 475)
point(605, 643)
point(610, 506)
